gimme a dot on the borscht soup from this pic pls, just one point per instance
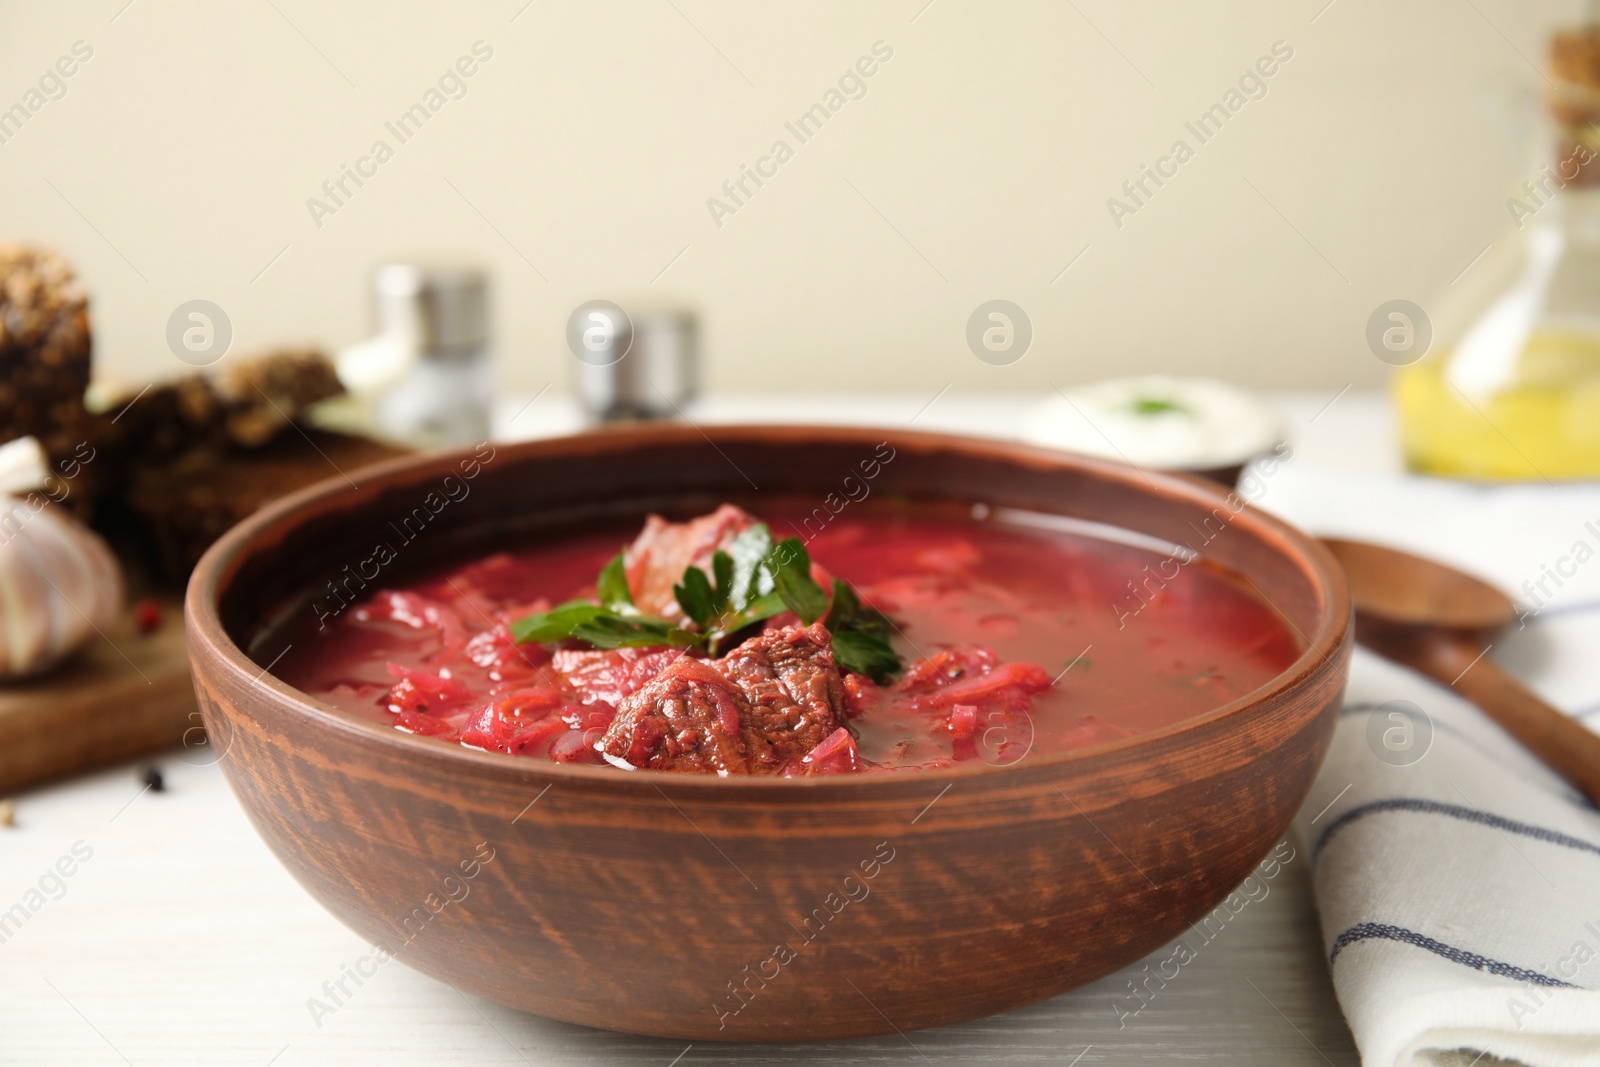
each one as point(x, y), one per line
point(892, 638)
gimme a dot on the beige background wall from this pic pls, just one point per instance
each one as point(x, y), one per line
point(978, 164)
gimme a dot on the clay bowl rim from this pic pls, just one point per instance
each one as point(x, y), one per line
point(220, 560)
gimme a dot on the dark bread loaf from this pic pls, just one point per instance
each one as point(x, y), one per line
point(44, 352)
point(244, 402)
point(183, 505)
point(196, 454)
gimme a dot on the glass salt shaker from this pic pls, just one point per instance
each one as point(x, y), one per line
point(435, 320)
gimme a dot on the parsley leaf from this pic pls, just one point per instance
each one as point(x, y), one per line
point(599, 626)
point(791, 576)
point(860, 636)
point(698, 600)
point(615, 631)
point(722, 571)
point(613, 586)
point(555, 624)
point(749, 580)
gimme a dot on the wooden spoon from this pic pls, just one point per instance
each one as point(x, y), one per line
point(1439, 621)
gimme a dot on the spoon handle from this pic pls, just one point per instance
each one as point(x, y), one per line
point(1558, 739)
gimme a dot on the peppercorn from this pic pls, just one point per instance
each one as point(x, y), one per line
point(147, 616)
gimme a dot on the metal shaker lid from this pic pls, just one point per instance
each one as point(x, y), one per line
point(441, 311)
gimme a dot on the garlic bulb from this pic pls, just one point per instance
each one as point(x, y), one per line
point(59, 583)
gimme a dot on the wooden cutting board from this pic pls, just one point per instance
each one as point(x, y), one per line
point(129, 693)
point(124, 694)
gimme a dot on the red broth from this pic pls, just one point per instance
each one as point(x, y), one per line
point(1122, 664)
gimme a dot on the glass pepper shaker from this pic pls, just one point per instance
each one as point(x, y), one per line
point(639, 366)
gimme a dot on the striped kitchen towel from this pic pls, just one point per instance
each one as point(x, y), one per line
point(1457, 878)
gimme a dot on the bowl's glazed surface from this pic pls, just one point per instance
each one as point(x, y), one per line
point(727, 909)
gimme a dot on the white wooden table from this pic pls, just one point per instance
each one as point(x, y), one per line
point(181, 941)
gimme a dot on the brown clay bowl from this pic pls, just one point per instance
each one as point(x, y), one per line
point(822, 908)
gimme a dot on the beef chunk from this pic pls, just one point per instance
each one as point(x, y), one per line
point(658, 556)
point(688, 718)
point(796, 696)
point(757, 710)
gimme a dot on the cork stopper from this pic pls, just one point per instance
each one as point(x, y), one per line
point(1574, 102)
point(1575, 56)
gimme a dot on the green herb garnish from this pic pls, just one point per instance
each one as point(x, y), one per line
point(1156, 406)
point(754, 579)
point(600, 627)
point(613, 586)
point(860, 636)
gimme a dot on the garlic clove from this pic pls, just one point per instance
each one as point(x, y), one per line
point(60, 586)
point(23, 466)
